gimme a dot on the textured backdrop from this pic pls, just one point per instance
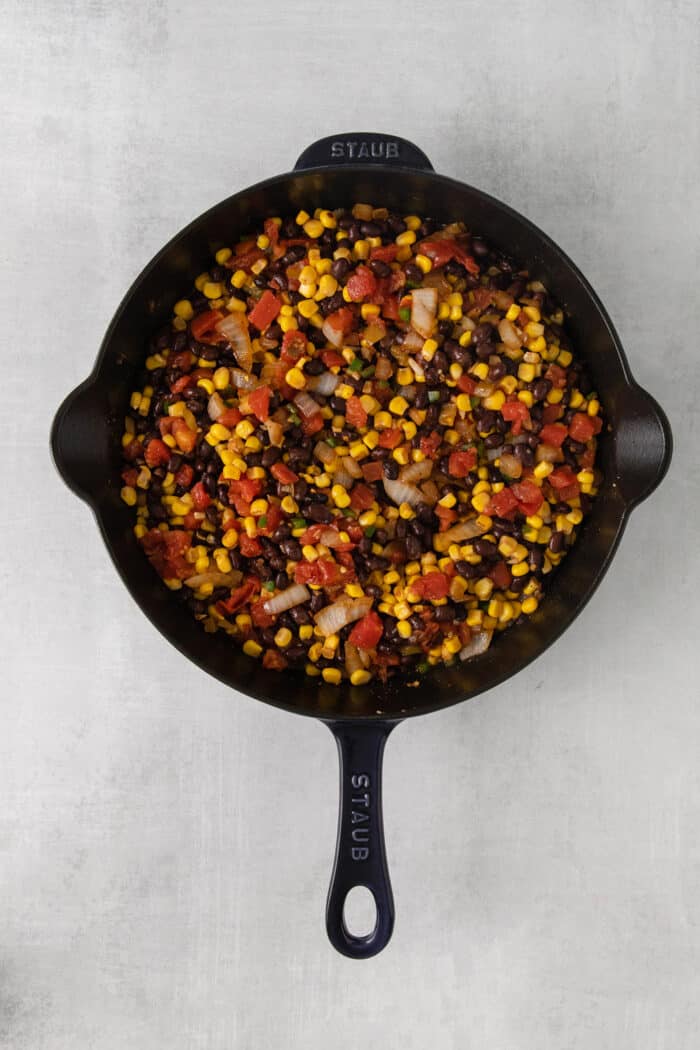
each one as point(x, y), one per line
point(165, 844)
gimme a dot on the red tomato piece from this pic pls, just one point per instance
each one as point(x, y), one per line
point(461, 463)
point(564, 481)
point(501, 575)
point(273, 660)
point(260, 616)
point(583, 427)
point(332, 359)
point(390, 438)
point(355, 412)
point(322, 573)
point(503, 503)
point(204, 325)
point(185, 438)
point(551, 413)
point(431, 586)
point(130, 476)
point(183, 360)
point(517, 413)
point(342, 320)
point(272, 231)
point(281, 472)
point(430, 444)
point(238, 599)
point(156, 453)
point(361, 497)
point(447, 516)
point(184, 476)
point(442, 251)
point(293, 346)
point(372, 470)
point(312, 424)
point(265, 310)
point(245, 256)
point(200, 496)
point(387, 253)
point(482, 298)
point(230, 417)
point(528, 495)
point(367, 631)
point(246, 488)
point(190, 520)
point(362, 284)
point(182, 384)
point(390, 308)
point(466, 384)
point(557, 376)
point(259, 401)
point(554, 434)
point(249, 546)
point(166, 552)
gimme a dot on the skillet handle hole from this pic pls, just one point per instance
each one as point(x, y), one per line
point(360, 912)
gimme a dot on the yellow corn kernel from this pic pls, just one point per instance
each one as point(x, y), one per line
point(229, 538)
point(480, 370)
point(345, 391)
point(223, 255)
point(412, 221)
point(221, 378)
point(526, 373)
point(219, 432)
point(533, 313)
point(213, 289)
point(453, 645)
point(575, 516)
point(330, 674)
point(306, 632)
point(483, 588)
point(360, 677)
point(263, 242)
point(398, 405)
point(452, 437)
point(238, 279)
point(307, 308)
point(463, 402)
point(288, 324)
point(206, 384)
point(474, 618)
point(465, 338)
point(555, 396)
point(371, 439)
point(404, 629)
point(456, 370)
point(128, 494)
point(183, 308)
point(382, 419)
point(327, 286)
point(406, 238)
point(534, 330)
point(539, 345)
point(313, 228)
point(140, 531)
point(400, 454)
point(312, 672)
point(340, 496)
point(302, 217)
point(370, 404)
point(593, 407)
point(327, 219)
point(513, 312)
point(251, 648)
point(429, 349)
point(360, 249)
point(495, 400)
point(283, 637)
point(521, 569)
point(529, 605)
point(243, 429)
point(369, 311)
point(565, 358)
point(409, 428)
point(575, 399)
point(423, 263)
point(448, 501)
point(526, 397)
point(481, 501)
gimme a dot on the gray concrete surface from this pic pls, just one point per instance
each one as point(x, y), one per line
point(165, 844)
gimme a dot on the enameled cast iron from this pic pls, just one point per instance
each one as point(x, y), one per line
point(85, 440)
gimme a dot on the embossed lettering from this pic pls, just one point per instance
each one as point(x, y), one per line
point(351, 148)
point(360, 834)
point(359, 818)
point(360, 780)
point(392, 149)
point(360, 853)
point(337, 149)
point(363, 151)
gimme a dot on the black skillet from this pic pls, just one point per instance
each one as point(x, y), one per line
point(634, 457)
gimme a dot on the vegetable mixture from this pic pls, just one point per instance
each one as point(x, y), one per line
point(361, 445)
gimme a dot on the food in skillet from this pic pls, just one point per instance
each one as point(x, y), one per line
point(361, 445)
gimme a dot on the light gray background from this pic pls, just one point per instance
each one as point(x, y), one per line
point(165, 844)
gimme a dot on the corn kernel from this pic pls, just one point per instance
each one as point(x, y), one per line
point(513, 312)
point(219, 432)
point(313, 228)
point(555, 396)
point(213, 289)
point(330, 674)
point(128, 494)
point(529, 605)
point(302, 217)
point(406, 238)
point(400, 454)
point(340, 496)
point(526, 373)
point(183, 308)
point(532, 312)
point(465, 338)
point(483, 588)
point(423, 263)
point(429, 349)
point(283, 637)
point(243, 429)
point(593, 407)
point(495, 400)
point(251, 648)
point(229, 538)
point(404, 629)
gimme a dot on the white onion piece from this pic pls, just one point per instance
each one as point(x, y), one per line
point(275, 431)
point(412, 341)
point(509, 334)
point(548, 454)
point(431, 493)
point(423, 310)
point(334, 335)
point(306, 404)
point(484, 389)
point(493, 453)
point(352, 659)
point(383, 368)
point(416, 368)
point(400, 492)
point(338, 615)
point(341, 477)
point(215, 406)
point(242, 380)
point(217, 579)
point(234, 328)
point(324, 453)
point(510, 466)
point(287, 599)
point(409, 392)
point(478, 644)
point(324, 384)
point(416, 471)
point(460, 533)
point(351, 466)
point(502, 300)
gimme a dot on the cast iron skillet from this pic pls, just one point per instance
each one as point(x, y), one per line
point(86, 447)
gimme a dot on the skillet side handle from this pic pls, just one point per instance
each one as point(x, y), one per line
point(644, 445)
point(360, 858)
point(363, 147)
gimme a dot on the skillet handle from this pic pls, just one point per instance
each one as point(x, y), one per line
point(644, 446)
point(363, 147)
point(360, 859)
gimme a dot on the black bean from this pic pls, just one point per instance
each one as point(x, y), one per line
point(318, 600)
point(444, 614)
point(379, 268)
point(414, 274)
point(556, 542)
point(292, 548)
point(540, 389)
point(479, 248)
point(318, 513)
point(391, 469)
point(299, 615)
point(485, 548)
point(271, 455)
point(414, 547)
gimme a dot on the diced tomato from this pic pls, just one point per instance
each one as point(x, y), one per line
point(554, 434)
point(442, 251)
point(447, 516)
point(183, 383)
point(203, 326)
point(200, 496)
point(230, 417)
point(361, 497)
point(184, 476)
point(390, 438)
point(272, 519)
point(238, 599)
point(466, 384)
point(367, 631)
point(166, 552)
point(372, 470)
point(551, 413)
point(272, 660)
point(183, 360)
point(312, 424)
point(185, 438)
point(431, 586)
point(130, 476)
point(583, 427)
point(342, 320)
point(587, 458)
point(249, 546)
point(528, 495)
point(259, 401)
point(265, 310)
point(355, 413)
point(502, 503)
point(390, 308)
point(272, 231)
point(246, 488)
point(260, 616)
point(461, 463)
point(482, 297)
point(246, 255)
point(387, 253)
point(293, 346)
point(156, 453)
point(332, 359)
point(517, 413)
point(501, 575)
point(321, 573)
point(430, 444)
point(190, 520)
point(564, 481)
point(362, 284)
point(557, 376)
point(281, 472)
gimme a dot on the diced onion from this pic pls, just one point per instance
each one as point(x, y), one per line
point(484, 389)
point(493, 453)
point(423, 310)
point(416, 368)
point(351, 467)
point(416, 471)
point(400, 492)
point(275, 431)
point(324, 453)
point(334, 335)
point(412, 341)
point(509, 334)
point(431, 493)
point(502, 300)
point(352, 659)
point(215, 406)
point(338, 615)
point(465, 530)
point(324, 384)
point(510, 465)
point(383, 368)
point(478, 644)
point(234, 328)
point(548, 454)
point(243, 380)
point(306, 404)
point(287, 599)
point(217, 579)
